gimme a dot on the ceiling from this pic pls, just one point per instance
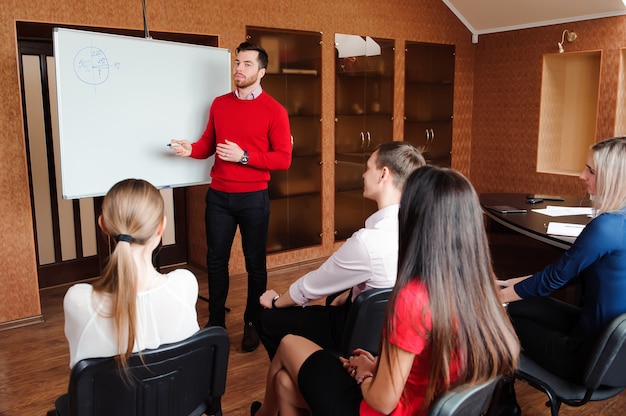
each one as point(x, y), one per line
point(490, 16)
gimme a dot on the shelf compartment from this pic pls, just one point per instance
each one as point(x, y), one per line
point(351, 133)
point(426, 102)
point(299, 94)
point(306, 132)
point(351, 211)
point(430, 63)
point(295, 222)
point(434, 140)
point(303, 177)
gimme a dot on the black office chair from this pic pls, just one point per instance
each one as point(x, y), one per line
point(365, 321)
point(604, 375)
point(183, 378)
point(465, 400)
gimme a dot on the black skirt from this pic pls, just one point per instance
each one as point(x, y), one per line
point(327, 387)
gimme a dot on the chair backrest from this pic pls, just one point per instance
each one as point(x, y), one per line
point(607, 361)
point(465, 400)
point(183, 378)
point(365, 321)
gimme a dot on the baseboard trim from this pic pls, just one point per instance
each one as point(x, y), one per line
point(21, 322)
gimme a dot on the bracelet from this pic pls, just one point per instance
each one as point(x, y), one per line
point(274, 301)
point(363, 378)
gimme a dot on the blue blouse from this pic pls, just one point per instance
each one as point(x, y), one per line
point(598, 256)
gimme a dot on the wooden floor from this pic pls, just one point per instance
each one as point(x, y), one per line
point(34, 360)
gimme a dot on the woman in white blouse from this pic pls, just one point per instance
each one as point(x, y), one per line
point(131, 307)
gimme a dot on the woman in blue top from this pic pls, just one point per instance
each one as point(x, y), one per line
point(557, 335)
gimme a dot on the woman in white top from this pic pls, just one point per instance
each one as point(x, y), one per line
point(131, 307)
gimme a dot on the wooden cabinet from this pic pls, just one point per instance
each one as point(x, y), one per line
point(363, 119)
point(364, 109)
point(293, 77)
point(428, 100)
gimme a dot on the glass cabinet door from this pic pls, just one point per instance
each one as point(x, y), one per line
point(363, 119)
point(428, 100)
point(293, 77)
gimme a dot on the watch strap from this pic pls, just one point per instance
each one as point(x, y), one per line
point(274, 301)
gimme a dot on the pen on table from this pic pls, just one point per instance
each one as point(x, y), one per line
point(173, 144)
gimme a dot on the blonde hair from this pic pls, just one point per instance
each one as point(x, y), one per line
point(609, 157)
point(134, 210)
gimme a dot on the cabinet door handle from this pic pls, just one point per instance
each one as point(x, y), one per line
point(362, 140)
point(369, 139)
point(427, 133)
point(432, 135)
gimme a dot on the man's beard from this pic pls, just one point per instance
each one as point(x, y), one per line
point(245, 83)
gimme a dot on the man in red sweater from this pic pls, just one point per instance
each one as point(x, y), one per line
point(248, 132)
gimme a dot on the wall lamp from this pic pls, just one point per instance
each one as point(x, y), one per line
point(571, 37)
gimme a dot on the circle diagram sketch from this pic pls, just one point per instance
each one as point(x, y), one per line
point(91, 65)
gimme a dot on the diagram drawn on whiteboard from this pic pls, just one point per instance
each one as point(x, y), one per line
point(91, 65)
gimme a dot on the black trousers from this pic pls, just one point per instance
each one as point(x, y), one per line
point(224, 212)
point(323, 325)
point(550, 334)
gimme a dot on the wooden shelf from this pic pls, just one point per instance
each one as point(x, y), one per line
point(568, 115)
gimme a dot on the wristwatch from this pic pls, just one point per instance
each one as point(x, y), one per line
point(274, 301)
point(244, 158)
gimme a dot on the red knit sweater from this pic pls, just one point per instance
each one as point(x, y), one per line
point(260, 126)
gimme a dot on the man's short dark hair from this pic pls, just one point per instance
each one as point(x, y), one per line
point(247, 46)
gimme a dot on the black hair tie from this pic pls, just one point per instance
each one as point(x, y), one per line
point(125, 238)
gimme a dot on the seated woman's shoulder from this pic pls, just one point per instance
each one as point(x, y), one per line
point(182, 274)
point(79, 289)
point(78, 294)
point(183, 278)
point(607, 224)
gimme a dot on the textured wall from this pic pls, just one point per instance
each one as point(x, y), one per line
point(496, 110)
point(416, 20)
point(507, 93)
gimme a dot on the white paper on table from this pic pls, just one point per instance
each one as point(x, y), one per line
point(565, 229)
point(559, 211)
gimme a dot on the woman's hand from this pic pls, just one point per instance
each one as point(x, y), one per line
point(507, 292)
point(510, 282)
point(360, 365)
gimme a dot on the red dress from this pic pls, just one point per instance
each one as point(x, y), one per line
point(412, 335)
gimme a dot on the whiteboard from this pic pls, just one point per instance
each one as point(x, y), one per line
point(120, 102)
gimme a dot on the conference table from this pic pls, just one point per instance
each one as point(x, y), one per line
point(530, 223)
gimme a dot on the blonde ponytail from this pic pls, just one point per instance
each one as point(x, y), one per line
point(132, 212)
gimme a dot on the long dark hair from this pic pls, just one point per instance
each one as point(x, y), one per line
point(442, 243)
